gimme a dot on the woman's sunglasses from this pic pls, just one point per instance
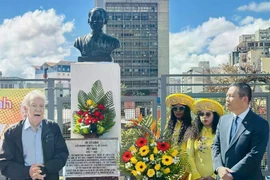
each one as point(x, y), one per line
point(207, 114)
point(178, 108)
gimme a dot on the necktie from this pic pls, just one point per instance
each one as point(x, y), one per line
point(234, 126)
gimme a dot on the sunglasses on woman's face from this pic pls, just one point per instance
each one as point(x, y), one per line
point(207, 114)
point(178, 108)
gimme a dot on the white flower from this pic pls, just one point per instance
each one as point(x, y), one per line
point(145, 178)
point(128, 165)
point(159, 174)
point(153, 144)
point(176, 160)
point(153, 162)
point(145, 159)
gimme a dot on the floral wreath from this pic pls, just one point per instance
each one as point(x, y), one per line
point(96, 111)
point(145, 155)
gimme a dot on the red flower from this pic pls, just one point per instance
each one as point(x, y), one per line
point(101, 107)
point(80, 112)
point(126, 156)
point(101, 117)
point(163, 146)
point(86, 113)
point(97, 113)
point(141, 142)
point(94, 120)
point(80, 120)
point(87, 121)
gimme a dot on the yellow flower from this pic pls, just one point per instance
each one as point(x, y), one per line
point(144, 150)
point(133, 160)
point(150, 172)
point(166, 171)
point(89, 102)
point(157, 167)
point(174, 153)
point(140, 166)
point(167, 160)
point(152, 157)
point(155, 150)
point(133, 149)
point(134, 173)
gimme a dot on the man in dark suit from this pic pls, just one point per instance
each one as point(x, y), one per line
point(241, 138)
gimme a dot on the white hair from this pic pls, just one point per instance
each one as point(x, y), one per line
point(32, 95)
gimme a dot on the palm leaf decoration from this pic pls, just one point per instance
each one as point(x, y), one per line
point(96, 92)
point(148, 128)
point(96, 111)
point(82, 98)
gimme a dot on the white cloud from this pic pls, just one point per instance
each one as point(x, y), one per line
point(212, 41)
point(32, 39)
point(236, 17)
point(260, 7)
point(247, 20)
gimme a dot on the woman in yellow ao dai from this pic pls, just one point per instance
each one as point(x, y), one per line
point(179, 124)
point(180, 118)
point(199, 145)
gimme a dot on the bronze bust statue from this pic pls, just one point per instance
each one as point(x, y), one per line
point(96, 46)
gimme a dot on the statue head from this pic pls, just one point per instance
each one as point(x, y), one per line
point(97, 17)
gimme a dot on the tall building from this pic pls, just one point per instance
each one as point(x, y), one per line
point(262, 35)
point(53, 70)
point(10, 84)
point(177, 87)
point(251, 48)
point(202, 68)
point(142, 26)
point(60, 70)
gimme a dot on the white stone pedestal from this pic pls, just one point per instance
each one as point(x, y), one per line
point(83, 76)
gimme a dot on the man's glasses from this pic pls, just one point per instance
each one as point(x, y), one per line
point(178, 108)
point(207, 114)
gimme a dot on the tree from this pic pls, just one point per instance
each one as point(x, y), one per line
point(258, 103)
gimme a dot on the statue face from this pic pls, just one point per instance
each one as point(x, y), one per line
point(97, 20)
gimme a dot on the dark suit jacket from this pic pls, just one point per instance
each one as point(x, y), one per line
point(243, 154)
point(55, 152)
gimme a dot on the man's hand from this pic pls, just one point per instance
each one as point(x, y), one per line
point(35, 171)
point(225, 173)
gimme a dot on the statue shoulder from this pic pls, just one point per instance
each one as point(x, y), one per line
point(82, 40)
point(112, 40)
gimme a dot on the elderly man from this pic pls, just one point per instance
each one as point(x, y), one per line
point(34, 148)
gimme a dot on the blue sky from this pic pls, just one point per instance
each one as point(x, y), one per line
point(36, 31)
point(191, 13)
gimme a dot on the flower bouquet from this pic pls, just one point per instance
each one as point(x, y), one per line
point(145, 156)
point(96, 111)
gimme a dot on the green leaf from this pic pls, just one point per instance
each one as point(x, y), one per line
point(82, 98)
point(98, 96)
point(97, 92)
